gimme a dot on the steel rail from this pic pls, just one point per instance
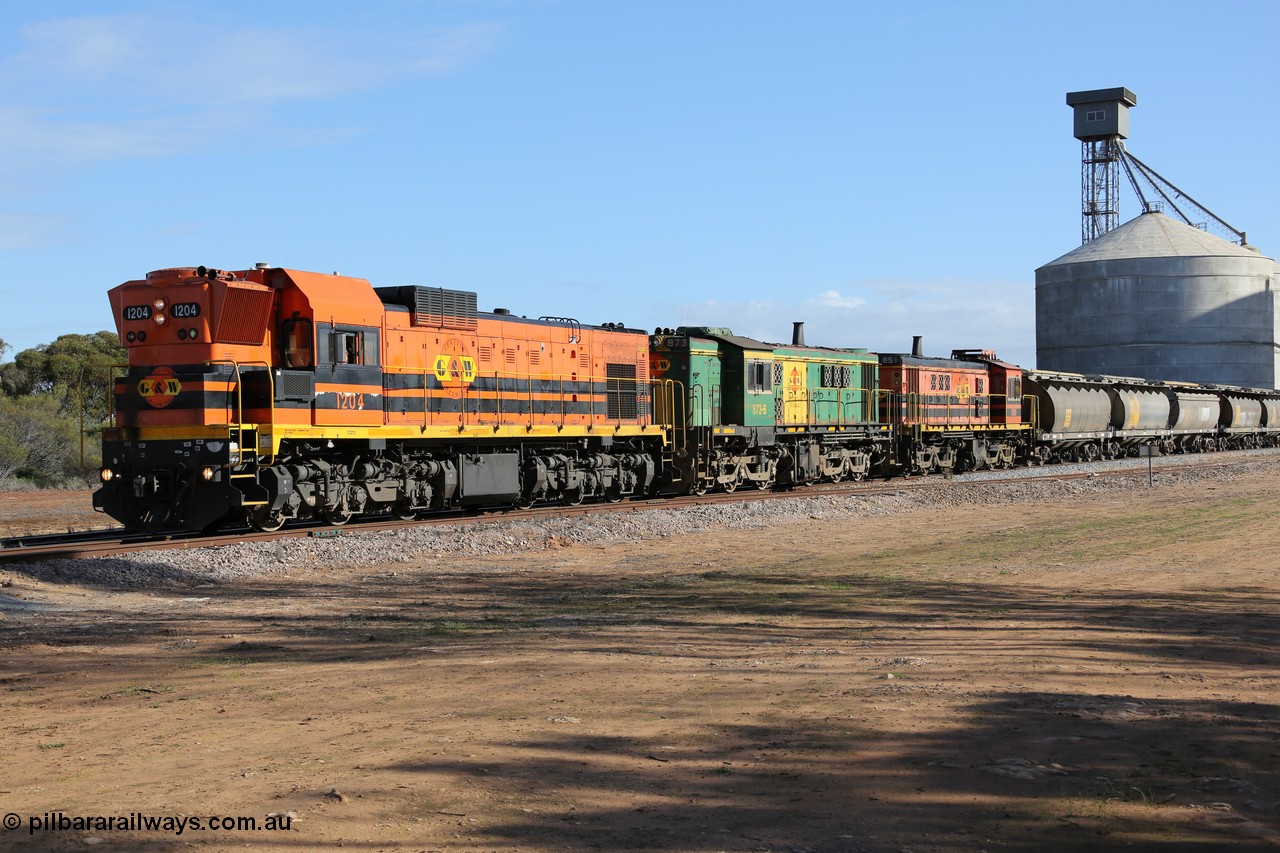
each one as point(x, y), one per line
point(116, 541)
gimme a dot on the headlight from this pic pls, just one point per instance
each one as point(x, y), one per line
point(206, 472)
point(159, 303)
point(106, 474)
point(159, 318)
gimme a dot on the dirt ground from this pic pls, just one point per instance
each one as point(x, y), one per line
point(49, 511)
point(1066, 676)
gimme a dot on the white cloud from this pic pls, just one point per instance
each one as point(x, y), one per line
point(449, 51)
point(835, 300)
point(89, 48)
point(129, 87)
point(85, 91)
point(167, 63)
point(35, 139)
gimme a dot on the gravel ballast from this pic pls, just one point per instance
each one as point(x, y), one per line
point(230, 563)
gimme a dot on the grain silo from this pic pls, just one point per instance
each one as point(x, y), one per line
point(1160, 299)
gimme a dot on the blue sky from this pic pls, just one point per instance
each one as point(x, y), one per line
point(876, 170)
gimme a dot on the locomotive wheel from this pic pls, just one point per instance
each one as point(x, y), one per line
point(403, 511)
point(763, 485)
point(266, 521)
point(337, 517)
point(730, 487)
point(572, 497)
point(699, 488)
point(613, 494)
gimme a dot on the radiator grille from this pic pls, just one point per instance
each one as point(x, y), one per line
point(295, 385)
point(245, 314)
point(435, 307)
point(622, 391)
point(836, 376)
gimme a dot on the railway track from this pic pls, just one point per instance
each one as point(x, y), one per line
point(115, 541)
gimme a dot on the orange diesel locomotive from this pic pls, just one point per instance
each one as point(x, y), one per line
point(271, 394)
point(954, 414)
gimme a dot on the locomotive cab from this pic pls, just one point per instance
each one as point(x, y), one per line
point(215, 377)
point(183, 328)
point(175, 441)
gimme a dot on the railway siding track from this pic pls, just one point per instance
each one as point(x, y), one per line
point(115, 542)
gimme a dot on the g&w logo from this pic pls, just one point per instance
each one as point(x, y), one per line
point(160, 387)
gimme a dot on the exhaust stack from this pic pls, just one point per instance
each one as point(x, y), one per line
point(797, 334)
point(917, 346)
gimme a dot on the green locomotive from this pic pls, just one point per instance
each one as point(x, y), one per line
point(747, 412)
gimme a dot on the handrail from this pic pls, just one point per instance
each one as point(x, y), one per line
point(271, 403)
point(575, 328)
point(470, 395)
point(667, 398)
point(857, 398)
point(697, 401)
point(112, 421)
point(862, 404)
point(911, 408)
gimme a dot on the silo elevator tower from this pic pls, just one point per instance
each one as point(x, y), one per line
point(1101, 122)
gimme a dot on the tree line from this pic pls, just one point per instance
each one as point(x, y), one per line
point(47, 393)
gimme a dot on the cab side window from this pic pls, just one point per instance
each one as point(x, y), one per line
point(299, 343)
point(348, 347)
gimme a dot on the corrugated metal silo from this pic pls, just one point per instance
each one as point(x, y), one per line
point(1159, 299)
